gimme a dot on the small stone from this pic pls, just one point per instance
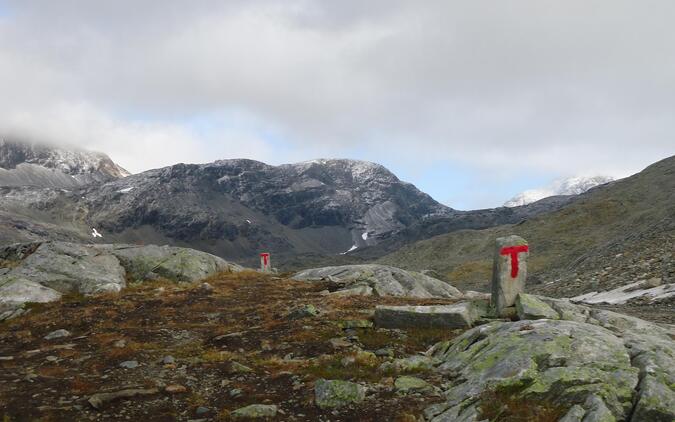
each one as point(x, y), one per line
point(304, 311)
point(168, 360)
point(129, 364)
point(57, 334)
point(51, 358)
point(99, 400)
point(407, 384)
point(201, 410)
point(384, 352)
point(339, 343)
point(120, 344)
point(255, 411)
point(238, 368)
point(236, 392)
point(266, 346)
point(175, 389)
point(336, 393)
point(207, 287)
point(355, 323)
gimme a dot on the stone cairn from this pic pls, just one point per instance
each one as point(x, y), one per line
point(509, 272)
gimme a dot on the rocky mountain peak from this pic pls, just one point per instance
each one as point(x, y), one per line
point(569, 186)
point(23, 163)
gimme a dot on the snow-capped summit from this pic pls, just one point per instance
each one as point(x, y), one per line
point(569, 186)
point(27, 164)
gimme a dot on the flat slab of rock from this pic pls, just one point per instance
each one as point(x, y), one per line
point(256, 411)
point(381, 280)
point(460, 315)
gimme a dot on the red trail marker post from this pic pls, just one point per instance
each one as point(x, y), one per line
point(509, 272)
point(265, 263)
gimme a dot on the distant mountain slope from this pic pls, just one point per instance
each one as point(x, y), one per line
point(572, 247)
point(26, 164)
point(570, 186)
point(236, 208)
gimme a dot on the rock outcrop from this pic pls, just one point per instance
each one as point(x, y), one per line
point(42, 272)
point(381, 280)
point(598, 364)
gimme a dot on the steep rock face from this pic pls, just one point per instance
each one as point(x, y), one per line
point(25, 164)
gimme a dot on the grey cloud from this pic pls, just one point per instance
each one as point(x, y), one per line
point(565, 85)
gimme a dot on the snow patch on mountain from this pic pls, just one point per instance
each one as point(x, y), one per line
point(569, 186)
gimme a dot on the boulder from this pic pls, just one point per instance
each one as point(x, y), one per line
point(42, 272)
point(602, 368)
point(460, 315)
point(380, 280)
point(336, 393)
point(69, 267)
point(16, 291)
point(172, 263)
point(530, 307)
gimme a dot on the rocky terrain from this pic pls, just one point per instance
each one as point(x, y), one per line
point(99, 323)
point(45, 271)
point(214, 351)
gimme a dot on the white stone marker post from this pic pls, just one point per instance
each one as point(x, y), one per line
point(508, 272)
point(265, 263)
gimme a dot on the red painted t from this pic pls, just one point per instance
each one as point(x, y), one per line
point(265, 257)
point(514, 251)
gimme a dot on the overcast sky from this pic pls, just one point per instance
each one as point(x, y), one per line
point(473, 101)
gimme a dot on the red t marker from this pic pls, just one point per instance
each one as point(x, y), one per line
point(265, 257)
point(514, 251)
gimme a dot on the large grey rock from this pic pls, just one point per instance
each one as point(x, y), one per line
point(69, 267)
point(383, 280)
point(600, 368)
point(17, 291)
point(172, 263)
point(460, 315)
point(509, 271)
point(42, 272)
